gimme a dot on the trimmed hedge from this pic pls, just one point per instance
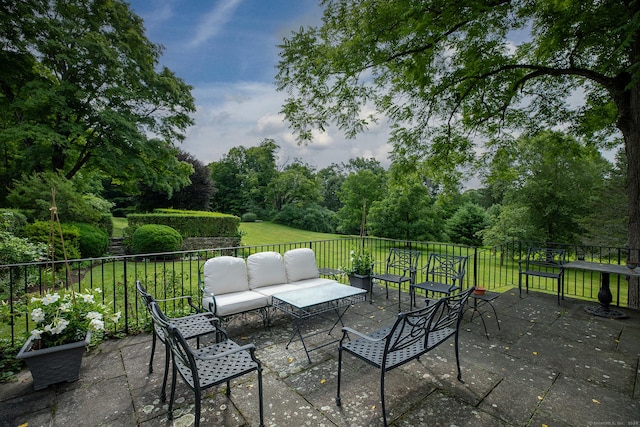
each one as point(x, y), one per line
point(190, 223)
point(153, 238)
point(94, 242)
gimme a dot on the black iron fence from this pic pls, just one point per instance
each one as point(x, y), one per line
point(167, 275)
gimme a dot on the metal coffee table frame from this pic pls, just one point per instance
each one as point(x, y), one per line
point(308, 303)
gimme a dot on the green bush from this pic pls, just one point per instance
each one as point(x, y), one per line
point(40, 231)
point(312, 218)
point(153, 238)
point(15, 250)
point(249, 217)
point(94, 242)
point(12, 220)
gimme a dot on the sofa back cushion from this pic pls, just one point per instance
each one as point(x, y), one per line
point(265, 269)
point(225, 274)
point(300, 264)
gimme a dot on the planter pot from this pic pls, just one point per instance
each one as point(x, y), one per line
point(54, 364)
point(360, 281)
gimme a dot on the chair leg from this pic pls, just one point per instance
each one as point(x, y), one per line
point(167, 356)
point(153, 350)
point(338, 401)
point(382, 405)
point(173, 391)
point(261, 406)
point(198, 396)
point(458, 356)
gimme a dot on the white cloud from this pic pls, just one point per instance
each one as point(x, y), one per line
point(245, 113)
point(214, 21)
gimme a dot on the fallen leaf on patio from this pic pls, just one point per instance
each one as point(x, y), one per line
point(539, 397)
point(544, 425)
point(244, 338)
point(290, 359)
point(535, 353)
point(617, 341)
point(322, 381)
point(373, 407)
point(597, 402)
point(23, 425)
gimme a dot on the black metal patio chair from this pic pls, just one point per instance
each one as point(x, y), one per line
point(443, 275)
point(400, 267)
point(413, 334)
point(208, 366)
point(191, 326)
point(545, 263)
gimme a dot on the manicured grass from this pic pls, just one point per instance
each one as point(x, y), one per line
point(262, 233)
point(119, 224)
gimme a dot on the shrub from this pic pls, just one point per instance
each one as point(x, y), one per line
point(12, 220)
point(40, 231)
point(312, 218)
point(152, 238)
point(94, 242)
point(249, 217)
point(14, 250)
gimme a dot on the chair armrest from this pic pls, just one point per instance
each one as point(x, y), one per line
point(347, 330)
point(249, 347)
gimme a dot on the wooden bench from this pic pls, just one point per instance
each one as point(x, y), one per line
point(545, 263)
point(413, 334)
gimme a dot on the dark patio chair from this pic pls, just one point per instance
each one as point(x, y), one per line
point(545, 263)
point(413, 334)
point(192, 326)
point(400, 267)
point(443, 275)
point(207, 366)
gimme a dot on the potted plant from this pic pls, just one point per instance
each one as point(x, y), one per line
point(361, 266)
point(64, 322)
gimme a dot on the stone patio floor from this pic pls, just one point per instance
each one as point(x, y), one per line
point(548, 365)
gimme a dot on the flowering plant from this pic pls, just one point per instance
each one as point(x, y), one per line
point(66, 316)
point(361, 262)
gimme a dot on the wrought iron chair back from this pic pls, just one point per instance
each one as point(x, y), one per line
point(192, 326)
point(400, 267)
point(443, 273)
point(544, 263)
point(413, 334)
point(208, 366)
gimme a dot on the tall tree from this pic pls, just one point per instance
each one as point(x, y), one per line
point(443, 71)
point(80, 91)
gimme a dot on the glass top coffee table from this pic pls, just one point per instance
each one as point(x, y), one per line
point(307, 303)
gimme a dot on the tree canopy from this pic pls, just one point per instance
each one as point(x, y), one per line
point(448, 73)
point(81, 90)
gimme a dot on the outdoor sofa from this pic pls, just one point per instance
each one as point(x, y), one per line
point(231, 285)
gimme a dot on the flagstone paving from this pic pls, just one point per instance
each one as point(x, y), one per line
point(548, 365)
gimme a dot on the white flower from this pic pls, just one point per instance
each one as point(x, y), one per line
point(37, 314)
point(65, 306)
point(87, 298)
point(50, 299)
point(57, 326)
point(96, 325)
point(94, 315)
point(36, 334)
point(116, 317)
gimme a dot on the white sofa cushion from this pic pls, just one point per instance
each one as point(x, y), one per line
point(265, 269)
point(310, 283)
point(300, 264)
point(236, 302)
point(225, 274)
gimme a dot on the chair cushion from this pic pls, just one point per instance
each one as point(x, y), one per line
point(300, 264)
point(237, 302)
point(225, 274)
point(265, 269)
point(269, 291)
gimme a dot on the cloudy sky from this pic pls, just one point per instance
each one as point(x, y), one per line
point(227, 50)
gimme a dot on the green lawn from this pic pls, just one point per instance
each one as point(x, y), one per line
point(261, 233)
